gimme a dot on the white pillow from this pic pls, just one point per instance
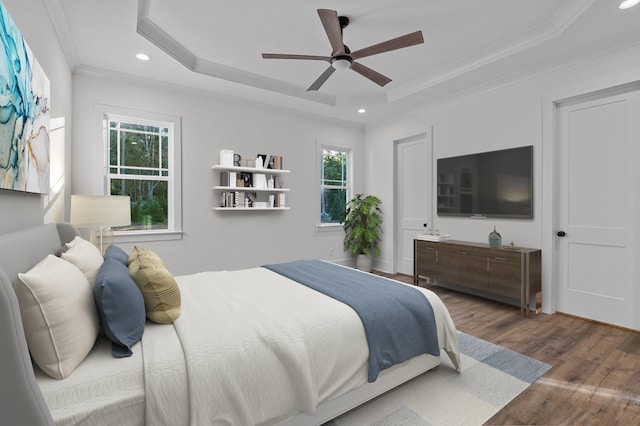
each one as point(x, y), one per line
point(59, 315)
point(85, 256)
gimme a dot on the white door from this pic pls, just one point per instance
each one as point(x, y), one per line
point(413, 196)
point(598, 193)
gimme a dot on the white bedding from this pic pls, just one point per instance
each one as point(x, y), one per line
point(250, 347)
point(103, 390)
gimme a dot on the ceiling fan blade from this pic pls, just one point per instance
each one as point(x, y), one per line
point(331, 25)
point(372, 75)
point(393, 44)
point(285, 56)
point(320, 81)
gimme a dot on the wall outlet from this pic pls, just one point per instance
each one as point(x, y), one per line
point(330, 252)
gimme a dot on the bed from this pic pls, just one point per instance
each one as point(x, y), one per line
point(250, 347)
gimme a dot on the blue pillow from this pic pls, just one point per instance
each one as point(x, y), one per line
point(117, 253)
point(120, 306)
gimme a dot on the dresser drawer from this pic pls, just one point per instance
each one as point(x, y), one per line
point(473, 271)
point(427, 260)
point(505, 274)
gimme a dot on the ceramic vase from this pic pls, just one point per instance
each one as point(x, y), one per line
point(495, 239)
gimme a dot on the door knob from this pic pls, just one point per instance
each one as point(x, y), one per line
point(561, 234)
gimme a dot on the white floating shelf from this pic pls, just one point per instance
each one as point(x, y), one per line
point(250, 189)
point(251, 208)
point(250, 170)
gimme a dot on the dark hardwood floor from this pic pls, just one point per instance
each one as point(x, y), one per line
point(595, 374)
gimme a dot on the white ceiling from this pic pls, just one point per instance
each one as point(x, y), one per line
point(216, 46)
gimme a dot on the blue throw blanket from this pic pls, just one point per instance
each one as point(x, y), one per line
point(398, 320)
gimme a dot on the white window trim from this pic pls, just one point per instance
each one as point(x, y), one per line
point(320, 145)
point(174, 227)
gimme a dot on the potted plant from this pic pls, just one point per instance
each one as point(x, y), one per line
point(362, 226)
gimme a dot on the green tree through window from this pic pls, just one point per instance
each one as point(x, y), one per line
point(334, 185)
point(139, 167)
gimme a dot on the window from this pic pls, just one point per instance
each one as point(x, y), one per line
point(335, 184)
point(143, 162)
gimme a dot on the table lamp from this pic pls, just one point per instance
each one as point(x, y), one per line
point(102, 211)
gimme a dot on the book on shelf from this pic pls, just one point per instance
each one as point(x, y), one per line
point(227, 199)
point(233, 199)
point(240, 199)
point(224, 178)
point(259, 180)
point(228, 178)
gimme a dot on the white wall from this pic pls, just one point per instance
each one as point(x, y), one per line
point(215, 239)
point(500, 119)
point(505, 117)
point(18, 209)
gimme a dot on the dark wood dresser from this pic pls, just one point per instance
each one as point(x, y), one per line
point(505, 274)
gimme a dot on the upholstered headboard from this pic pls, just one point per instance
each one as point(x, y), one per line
point(21, 402)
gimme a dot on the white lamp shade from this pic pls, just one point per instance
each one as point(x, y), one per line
point(100, 210)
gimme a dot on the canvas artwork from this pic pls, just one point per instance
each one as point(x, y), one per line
point(24, 114)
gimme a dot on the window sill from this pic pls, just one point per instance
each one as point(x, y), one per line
point(141, 236)
point(329, 227)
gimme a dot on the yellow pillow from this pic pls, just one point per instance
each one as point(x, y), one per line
point(145, 253)
point(159, 288)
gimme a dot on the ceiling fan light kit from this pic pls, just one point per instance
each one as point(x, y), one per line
point(342, 58)
point(341, 62)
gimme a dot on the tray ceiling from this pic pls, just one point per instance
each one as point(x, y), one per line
point(216, 47)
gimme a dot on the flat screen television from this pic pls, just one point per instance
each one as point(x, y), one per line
point(487, 184)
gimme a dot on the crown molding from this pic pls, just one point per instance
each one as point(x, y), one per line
point(156, 35)
point(423, 101)
point(548, 30)
point(62, 30)
point(208, 94)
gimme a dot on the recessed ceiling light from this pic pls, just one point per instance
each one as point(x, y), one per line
point(628, 3)
point(143, 56)
point(362, 111)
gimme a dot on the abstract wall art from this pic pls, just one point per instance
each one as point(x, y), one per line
point(24, 114)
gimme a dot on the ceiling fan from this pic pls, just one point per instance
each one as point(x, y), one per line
point(342, 58)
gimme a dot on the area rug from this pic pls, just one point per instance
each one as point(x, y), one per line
point(491, 377)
